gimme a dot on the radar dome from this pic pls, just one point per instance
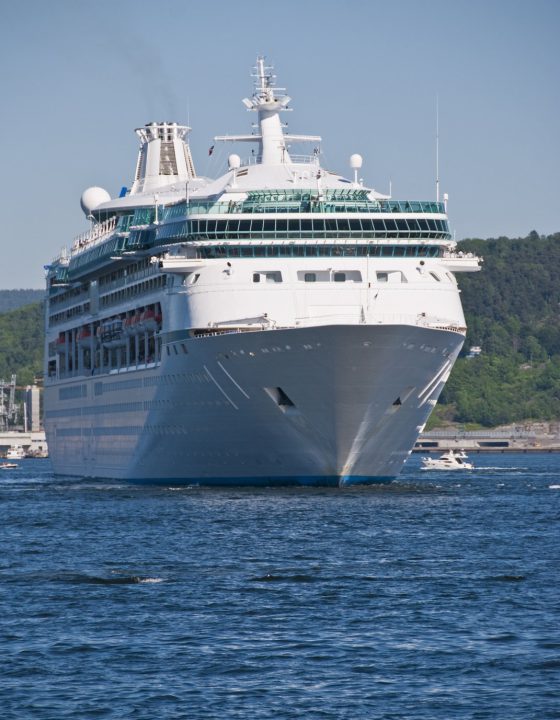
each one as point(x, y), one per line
point(234, 161)
point(92, 198)
point(356, 161)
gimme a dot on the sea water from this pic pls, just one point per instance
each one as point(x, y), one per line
point(436, 596)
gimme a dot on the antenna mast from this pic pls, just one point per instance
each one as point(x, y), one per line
point(437, 148)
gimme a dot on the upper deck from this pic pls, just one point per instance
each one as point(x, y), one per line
point(275, 199)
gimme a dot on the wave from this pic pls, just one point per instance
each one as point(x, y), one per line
point(78, 579)
point(297, 578)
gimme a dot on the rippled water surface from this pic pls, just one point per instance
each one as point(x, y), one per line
point(436, 597)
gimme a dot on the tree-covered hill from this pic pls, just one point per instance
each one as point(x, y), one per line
point(515, 300)
point(21, 343)
point(13, 299)
point(513, 312)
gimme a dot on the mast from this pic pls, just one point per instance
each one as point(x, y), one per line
point(272, 145)
point(273, 149)
point(437, 148)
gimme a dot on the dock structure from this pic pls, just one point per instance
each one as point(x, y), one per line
point(536, 437)
point(34, 442)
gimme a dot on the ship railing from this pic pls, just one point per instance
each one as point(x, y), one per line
point(61, 259)
point(260, 327)
point(96, 235)
point(129, 280)
point(327, 201)
point(420, 320)
point(458, 255)
point(57, 305)
point(295, 159)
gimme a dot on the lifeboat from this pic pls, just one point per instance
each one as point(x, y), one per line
point(150, 320)
point(84, 338)
point(130, 325)
point(60, 344)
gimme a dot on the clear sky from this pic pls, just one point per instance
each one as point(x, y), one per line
point(78, 77)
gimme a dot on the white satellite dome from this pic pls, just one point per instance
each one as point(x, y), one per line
point(234, 161)
point(92, 198)
point(356, 161)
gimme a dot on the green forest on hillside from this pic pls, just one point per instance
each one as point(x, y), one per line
point(512, 309)
point(13, 299)
point(513, 312)
point(21, 343)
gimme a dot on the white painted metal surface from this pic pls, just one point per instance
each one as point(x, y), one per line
point(314, 365)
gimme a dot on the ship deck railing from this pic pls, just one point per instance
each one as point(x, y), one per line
point(96, 235)
point(420, 320)
point(294, 159)
point(458, 255)
point(68, 301)
point(352, 200)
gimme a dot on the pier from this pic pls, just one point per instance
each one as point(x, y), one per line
point(530, 438)
point(33, 442)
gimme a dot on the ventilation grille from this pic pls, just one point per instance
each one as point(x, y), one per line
point(167, 159)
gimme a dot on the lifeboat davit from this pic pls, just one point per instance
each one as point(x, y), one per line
point(112, 334)
point(150, 320)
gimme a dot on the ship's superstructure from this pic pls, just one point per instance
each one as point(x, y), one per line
point(280, 323)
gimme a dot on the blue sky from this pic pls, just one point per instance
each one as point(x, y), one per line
point(78, 77)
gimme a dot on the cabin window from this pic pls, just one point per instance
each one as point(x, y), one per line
point(436, 277)
point(382, 277)
point(339, 277)
point(310, 277)
point(256, 277)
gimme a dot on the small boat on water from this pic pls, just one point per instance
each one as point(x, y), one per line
point(450, 460)
point(15, 452)
point(8, 466)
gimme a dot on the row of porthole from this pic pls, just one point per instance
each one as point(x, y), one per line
point(265, 350)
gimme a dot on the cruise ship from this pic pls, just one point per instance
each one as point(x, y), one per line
point(280, 324)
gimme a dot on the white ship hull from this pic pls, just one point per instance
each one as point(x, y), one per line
point(332, 405)
point(278, 324)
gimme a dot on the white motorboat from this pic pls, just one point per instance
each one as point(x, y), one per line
point(8, 466)
point(15, 452)
point(450, 460)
